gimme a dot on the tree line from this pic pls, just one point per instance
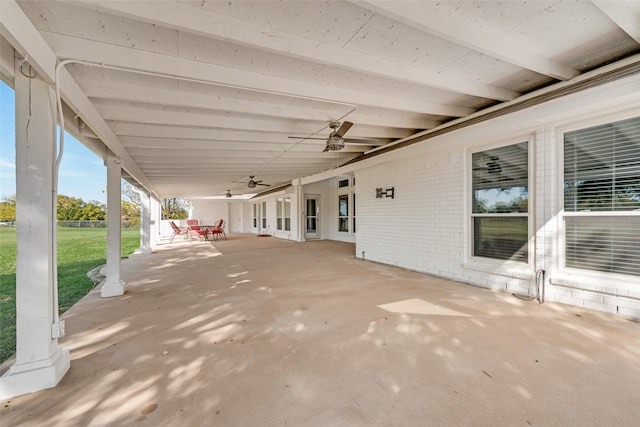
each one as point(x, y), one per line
point(75, 209)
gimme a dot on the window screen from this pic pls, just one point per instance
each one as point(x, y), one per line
point(500, 183)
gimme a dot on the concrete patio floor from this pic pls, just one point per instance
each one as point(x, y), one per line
point(265, 332)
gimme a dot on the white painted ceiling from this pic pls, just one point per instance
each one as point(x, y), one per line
point(204, 93)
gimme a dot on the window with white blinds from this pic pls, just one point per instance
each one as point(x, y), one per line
point(500, 211)
point(602, 197)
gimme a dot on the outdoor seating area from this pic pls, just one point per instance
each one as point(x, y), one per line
point(217, 231)
point(195, 230)
point(247, 337)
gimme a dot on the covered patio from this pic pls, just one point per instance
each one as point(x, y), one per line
point(263, 331)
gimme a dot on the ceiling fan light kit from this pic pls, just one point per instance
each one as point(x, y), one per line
point(334, 143)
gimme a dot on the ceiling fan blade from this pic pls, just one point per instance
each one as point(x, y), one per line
point(305, 137)
point(266, 185)
point(343, 129)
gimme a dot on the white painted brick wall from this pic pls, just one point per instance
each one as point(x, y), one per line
point(425, 228)
point(599, 306)
point(422, 228)
point(628, 312)
point(209, 211)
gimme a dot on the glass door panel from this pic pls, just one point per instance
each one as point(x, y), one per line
point(312, 213)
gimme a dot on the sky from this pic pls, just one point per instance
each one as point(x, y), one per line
point(82, 173)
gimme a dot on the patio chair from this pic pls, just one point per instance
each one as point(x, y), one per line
point(196, 231)
point(191, 222)
point(218, 230)
point(177, 231)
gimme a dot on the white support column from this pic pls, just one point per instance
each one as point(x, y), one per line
point(156, 217)
point(299, 209)
point(145, 223)
point(113, 286)
point(40, 362)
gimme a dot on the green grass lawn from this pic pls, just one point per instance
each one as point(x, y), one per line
point(79, 250)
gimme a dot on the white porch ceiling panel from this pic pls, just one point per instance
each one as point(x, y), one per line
point(204, 93)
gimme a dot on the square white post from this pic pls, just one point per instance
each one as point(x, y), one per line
point(297, 210)
point(113, 286)
point(145, 223)
point(40, 362)
point(156, 220)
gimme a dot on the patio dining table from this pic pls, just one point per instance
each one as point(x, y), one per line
point(207, 230)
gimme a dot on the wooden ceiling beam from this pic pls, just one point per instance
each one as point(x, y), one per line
point(181, 68)
point(462, 33)
point(208, 24)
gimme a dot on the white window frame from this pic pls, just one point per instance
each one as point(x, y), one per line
point(568, 275)
point(286, 213)
point(346, 217)
point(353, 213)
point(279, 213)
point(283, 218)
point(254, 223)
point(347, 191)
point(522, 269)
